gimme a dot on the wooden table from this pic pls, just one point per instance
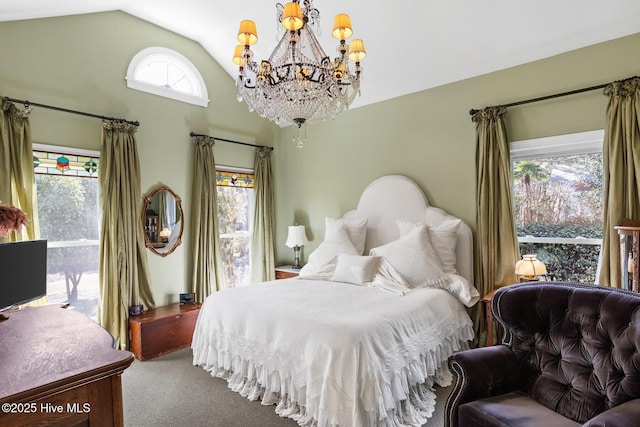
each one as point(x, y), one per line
point(58, 367)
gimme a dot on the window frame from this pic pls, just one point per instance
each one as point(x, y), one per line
point(556, 146)
point(170, 57)
point(81, 290)
point(241, 234)
point(76, 152)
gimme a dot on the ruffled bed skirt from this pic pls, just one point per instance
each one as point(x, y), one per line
point(407, 399)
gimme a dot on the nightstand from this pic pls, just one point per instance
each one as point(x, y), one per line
point(487, 318)
point(286, 271)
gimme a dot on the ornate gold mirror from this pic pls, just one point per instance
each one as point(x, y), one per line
point(163, 221)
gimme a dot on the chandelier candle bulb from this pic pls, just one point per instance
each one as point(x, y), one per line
point(342, 29)
point(247, 34)
point(292, 17)
point(357, 51)
point(238, 55)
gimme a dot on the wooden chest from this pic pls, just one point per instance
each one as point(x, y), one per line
point(162, 330)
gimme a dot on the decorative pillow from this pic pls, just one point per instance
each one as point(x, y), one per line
point(414, 258)
point(387, 278)
point(356, 226)
point(462, 289)
point(355, 269)
point(443, 239)
point(322, 262)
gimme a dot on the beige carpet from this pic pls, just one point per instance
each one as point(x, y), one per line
point(170, 391)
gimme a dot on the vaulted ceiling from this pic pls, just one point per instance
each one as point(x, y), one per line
point(411, 45)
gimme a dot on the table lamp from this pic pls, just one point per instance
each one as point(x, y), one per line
point(164, 235)
point(529, 268)
point(295, 240)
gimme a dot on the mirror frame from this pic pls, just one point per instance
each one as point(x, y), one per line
point(147, 202)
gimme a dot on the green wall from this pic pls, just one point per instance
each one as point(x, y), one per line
point(429, 136)
point(79, 62)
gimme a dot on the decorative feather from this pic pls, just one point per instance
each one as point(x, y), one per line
point(11, 219)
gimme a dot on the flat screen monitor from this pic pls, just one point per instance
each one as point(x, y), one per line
point(23, 272)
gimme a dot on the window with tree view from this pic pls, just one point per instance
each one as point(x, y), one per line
point(68, 211)
point(235, 196)
point(558, 202)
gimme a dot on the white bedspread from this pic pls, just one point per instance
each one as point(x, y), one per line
point(330, 353)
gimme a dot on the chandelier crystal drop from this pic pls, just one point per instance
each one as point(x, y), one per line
point(299, 83)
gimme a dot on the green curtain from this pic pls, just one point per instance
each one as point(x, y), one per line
point(17, 179)
point(208, 273)
point(496, 239)
point(262, 256)
point(163, 222)
point(123, 272)
point(621, 155)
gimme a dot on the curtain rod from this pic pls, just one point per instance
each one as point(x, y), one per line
point(66, 110)
point(544, 98)
point(192, 134)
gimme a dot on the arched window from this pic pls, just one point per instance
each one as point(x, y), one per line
point(167, 73)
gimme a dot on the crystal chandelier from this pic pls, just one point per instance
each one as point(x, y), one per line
point(299, 83)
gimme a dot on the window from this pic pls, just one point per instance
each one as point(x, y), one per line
point(68, 211)
point(235, 209)
point(167, 73)
point(558, 194)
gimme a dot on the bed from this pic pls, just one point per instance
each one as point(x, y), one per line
point(361, 337)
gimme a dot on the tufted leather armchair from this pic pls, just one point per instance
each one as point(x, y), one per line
point(570, 356)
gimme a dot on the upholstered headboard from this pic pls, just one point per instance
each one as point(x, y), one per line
point(396, 197)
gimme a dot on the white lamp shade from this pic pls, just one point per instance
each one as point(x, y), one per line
point(296, 237)
point(530, 266)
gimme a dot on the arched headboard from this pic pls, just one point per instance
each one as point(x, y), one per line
point(396, 197)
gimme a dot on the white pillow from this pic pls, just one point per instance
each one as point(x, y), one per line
point(443, 239)
point(355, 269)
point(387, 278)
point(462, 289)
point(414, 258)
point(322, 262)
point(355, 225)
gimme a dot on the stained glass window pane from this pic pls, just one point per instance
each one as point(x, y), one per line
point(50, 163)
point(234, 179)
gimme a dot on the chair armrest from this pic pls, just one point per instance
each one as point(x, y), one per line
point(624, 415)
point(480, 372)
